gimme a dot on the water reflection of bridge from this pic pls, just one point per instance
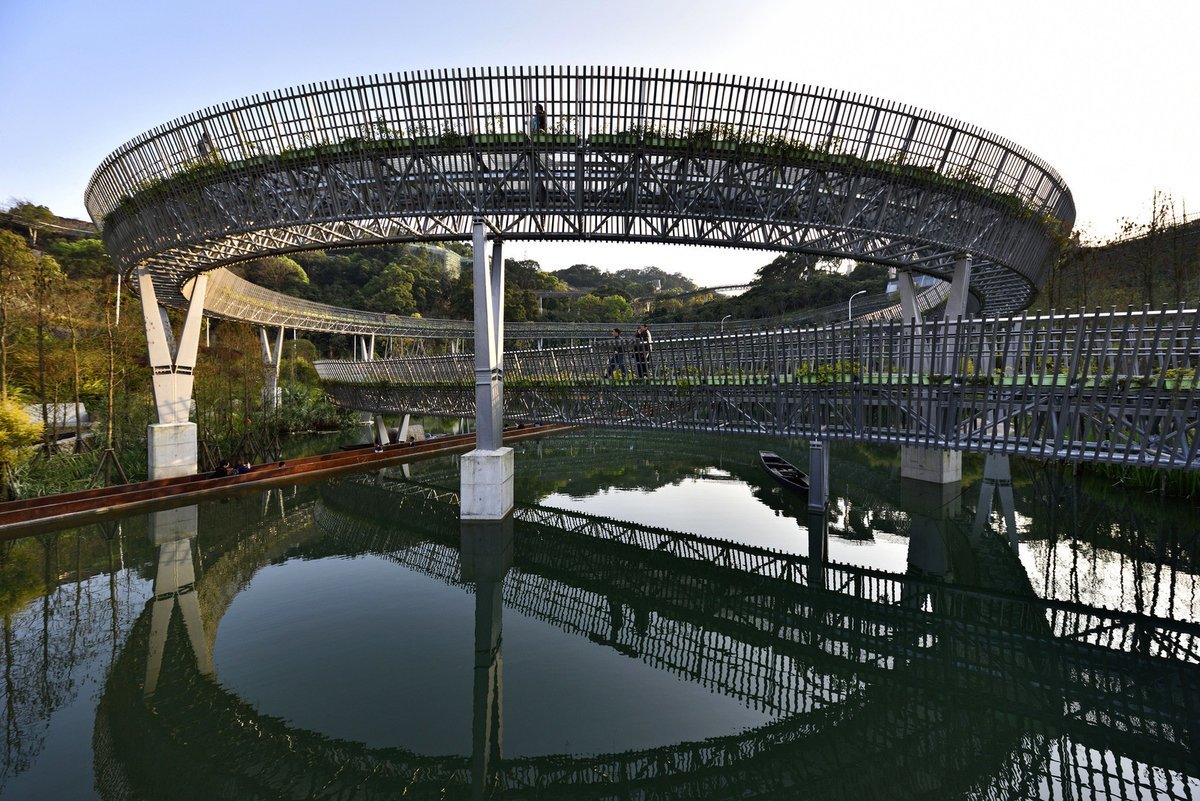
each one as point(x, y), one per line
point(867, 669)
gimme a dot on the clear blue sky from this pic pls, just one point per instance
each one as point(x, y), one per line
point(1106, 92)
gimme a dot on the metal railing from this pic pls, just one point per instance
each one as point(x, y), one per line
point(1116, 387)
point(627, 154)
point(235, 298)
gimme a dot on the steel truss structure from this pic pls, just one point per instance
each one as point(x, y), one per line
point(1116, 387)
point(625, 155)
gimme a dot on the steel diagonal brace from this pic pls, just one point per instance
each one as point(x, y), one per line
point(736, 407)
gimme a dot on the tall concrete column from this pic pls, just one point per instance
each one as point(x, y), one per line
point(487, 472)
point(818, 476)
point(171, 442)
point(932, 464)
point(272, 356)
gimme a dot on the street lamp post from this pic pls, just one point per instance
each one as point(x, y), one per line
point(723, 319)
point(850, 305)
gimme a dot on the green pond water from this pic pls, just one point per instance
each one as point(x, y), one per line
point(659, 619)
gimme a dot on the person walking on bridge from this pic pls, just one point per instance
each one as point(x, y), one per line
point(616, 362)
point(641, 349)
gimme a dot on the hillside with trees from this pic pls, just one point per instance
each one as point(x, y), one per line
point(64, 343)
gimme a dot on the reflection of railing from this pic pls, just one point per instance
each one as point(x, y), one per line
point(667, 597)
point(1116, 387)
point(631, 155)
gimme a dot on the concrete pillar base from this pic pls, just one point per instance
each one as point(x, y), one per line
point(487, 484)
point(171, 450)
point(930, 464)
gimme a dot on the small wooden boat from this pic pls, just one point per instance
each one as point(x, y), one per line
point(783, 471)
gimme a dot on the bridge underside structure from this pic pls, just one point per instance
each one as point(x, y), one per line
point(628, 155)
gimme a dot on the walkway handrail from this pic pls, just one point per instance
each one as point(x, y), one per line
point(627, 155)
point(1117, 387)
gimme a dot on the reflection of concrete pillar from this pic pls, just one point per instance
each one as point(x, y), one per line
point(929, 507)
point(487, 471)
point(486, 554)
point(818, 547)
point(818, 476)
point(997, 475)
point(174, 585)
point(171, 442)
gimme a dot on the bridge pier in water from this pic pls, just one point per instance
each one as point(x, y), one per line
point(171, 448)
point(931, 464)
point(487, 472)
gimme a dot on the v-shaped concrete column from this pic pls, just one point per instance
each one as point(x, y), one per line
point(171, 443)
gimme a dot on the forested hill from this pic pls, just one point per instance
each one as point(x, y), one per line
point(1154, 264)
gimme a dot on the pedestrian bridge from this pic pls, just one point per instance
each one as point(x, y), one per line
point(1115, 387)
point(594, 154)
point(626, 154)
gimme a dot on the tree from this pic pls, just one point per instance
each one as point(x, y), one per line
point(31, 216)
point(17, 433)
point(82, 258)
point(391, 291)
point(278, 273)
point(46, 281)
point(17, 265)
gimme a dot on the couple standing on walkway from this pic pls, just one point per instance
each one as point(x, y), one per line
point(643, 344)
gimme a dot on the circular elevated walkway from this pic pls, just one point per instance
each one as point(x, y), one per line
point(626, 154)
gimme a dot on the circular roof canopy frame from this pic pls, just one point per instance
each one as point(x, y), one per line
point(622, 154)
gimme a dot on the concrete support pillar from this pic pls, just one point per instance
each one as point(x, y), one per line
point(486, 555)
point(171, 443)
point(381, 431)
point(818, 476)
point(930, 464)
point(272, 356)
point(172, 532)
point(487, 471)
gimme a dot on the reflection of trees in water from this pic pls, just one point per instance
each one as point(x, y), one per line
point(1095, 542)
point(68, 606)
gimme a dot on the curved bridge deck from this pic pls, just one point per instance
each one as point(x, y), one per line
point(631, 155)
point(1116, 388)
